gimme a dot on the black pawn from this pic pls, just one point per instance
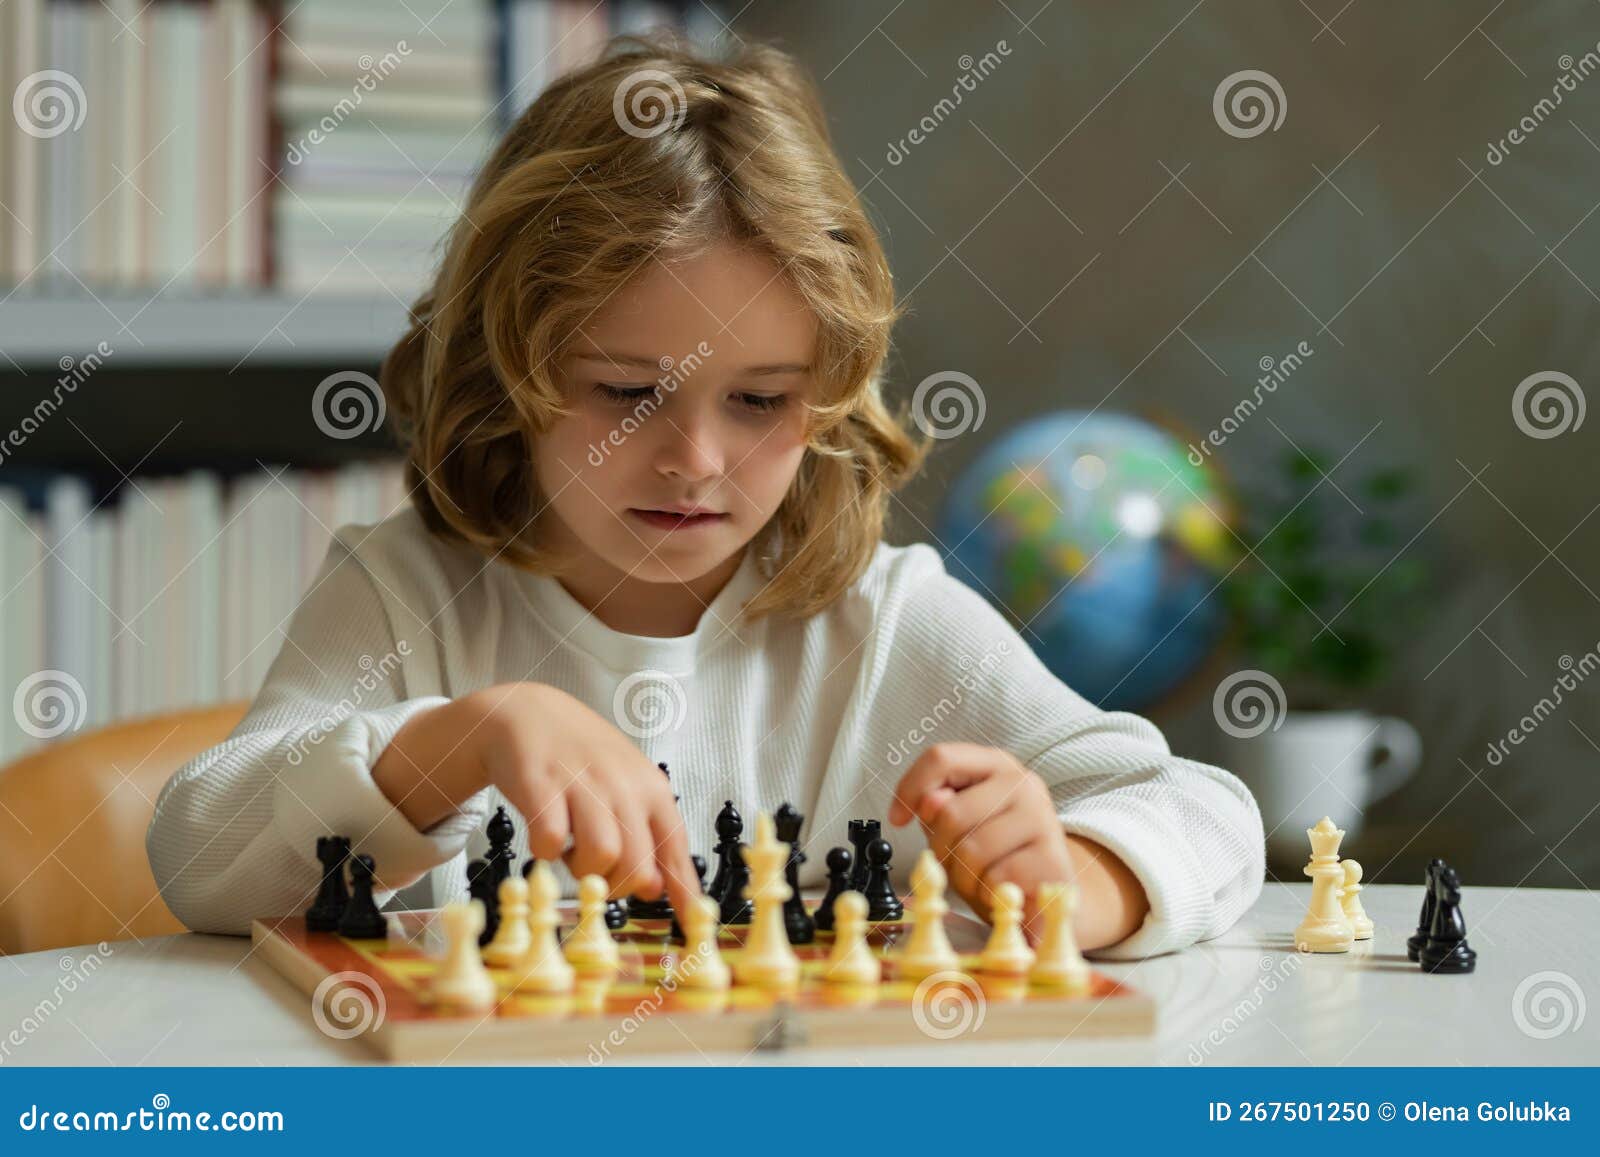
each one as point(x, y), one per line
point(882, 903)
point(501, 856)
point(735, 908)
point(839, 860)
point(1447, 949)
point(480, 886)
point(676, 931)
point(362, 920)
point(1425, 920)
point(616, 915)
point(797, 922)
point(332, 898)
point(730, 826)
point(862, 834)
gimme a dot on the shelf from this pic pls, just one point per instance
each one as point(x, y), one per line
point(226, 330)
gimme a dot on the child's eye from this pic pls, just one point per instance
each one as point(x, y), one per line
point(764, 403)
point(622, 394)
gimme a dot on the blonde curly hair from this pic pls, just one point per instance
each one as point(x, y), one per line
point(652, 152)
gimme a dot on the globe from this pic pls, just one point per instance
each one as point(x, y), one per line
point(1103, 543)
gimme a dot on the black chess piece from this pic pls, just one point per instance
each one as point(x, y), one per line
point(480, 886)
point(361, 919)
point(1447, 949)
point(501, 855)
point(882, 903)
point(735, 908)
point(730, 826)
point(838, 861)
point(332, 898)
point(797, 922)
point(1425, 920)
point(528, 866)
point(864, 833)
point(616, 915)
point(675, 933)
point(661, 907)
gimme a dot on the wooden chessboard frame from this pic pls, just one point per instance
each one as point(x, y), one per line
point(641, 1011)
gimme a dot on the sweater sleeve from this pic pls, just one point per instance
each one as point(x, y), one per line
point(235, 829)
point(1190, 832)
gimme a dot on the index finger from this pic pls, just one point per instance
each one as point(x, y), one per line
point(672, 858)
point(951, 766)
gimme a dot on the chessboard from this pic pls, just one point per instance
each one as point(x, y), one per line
point(379, 990)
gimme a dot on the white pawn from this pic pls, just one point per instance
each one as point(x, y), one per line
point(1350, 901)
point(928, 950)
point(701, 965)
point(1060, 964)
point(1007, 950)
point(589, 947)
point(542, 967)
point(851, 961)
point(462, 981)
point(511, 938)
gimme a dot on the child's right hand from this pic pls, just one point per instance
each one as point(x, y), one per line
point(569, 771)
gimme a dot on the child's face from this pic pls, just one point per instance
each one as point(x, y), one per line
point(720, 426)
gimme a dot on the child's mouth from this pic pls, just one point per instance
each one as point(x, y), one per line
point(668, 520)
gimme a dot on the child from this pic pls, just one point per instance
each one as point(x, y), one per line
point(650, 464)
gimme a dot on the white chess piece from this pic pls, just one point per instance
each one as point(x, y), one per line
point(589, 947)
point(1350, 901)
point(542, 968)
point(767, 959)
point(1007, 950)
point(511, 937)
point(462, 981)
point(701, 966)
point(1060, 964)
point(928, 950)
point(1324, 928)
point(851, 961)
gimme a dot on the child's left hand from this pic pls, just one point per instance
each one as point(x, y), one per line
point(989, 820)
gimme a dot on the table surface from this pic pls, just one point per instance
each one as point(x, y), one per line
point(1246, 998)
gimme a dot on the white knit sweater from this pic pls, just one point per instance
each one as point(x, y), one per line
point(826, 713)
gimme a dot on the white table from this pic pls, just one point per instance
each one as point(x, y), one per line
point(1246, 998)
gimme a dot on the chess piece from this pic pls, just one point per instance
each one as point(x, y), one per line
point(851, 961)
point(797, 922)
point(882, 903)
point(839, 860)
point(1059, 963)
point(730, 826)
point(862, 833)
point(1415, 942)
point(928, 951)
point(589, 947)
point(1447, 949)
point(735, 907)
point(329, 906)
point(675, 933)
point(767, 959)
point(661, 907)
point(480, 886)
point(701, 966)
point(1350, 901)
point(1324, 928)
point(542, 967)
point(511, 941)
point(501, 856)
point(361, 919)
point(462, 981)
point(616, 915)
point(1007, 950)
